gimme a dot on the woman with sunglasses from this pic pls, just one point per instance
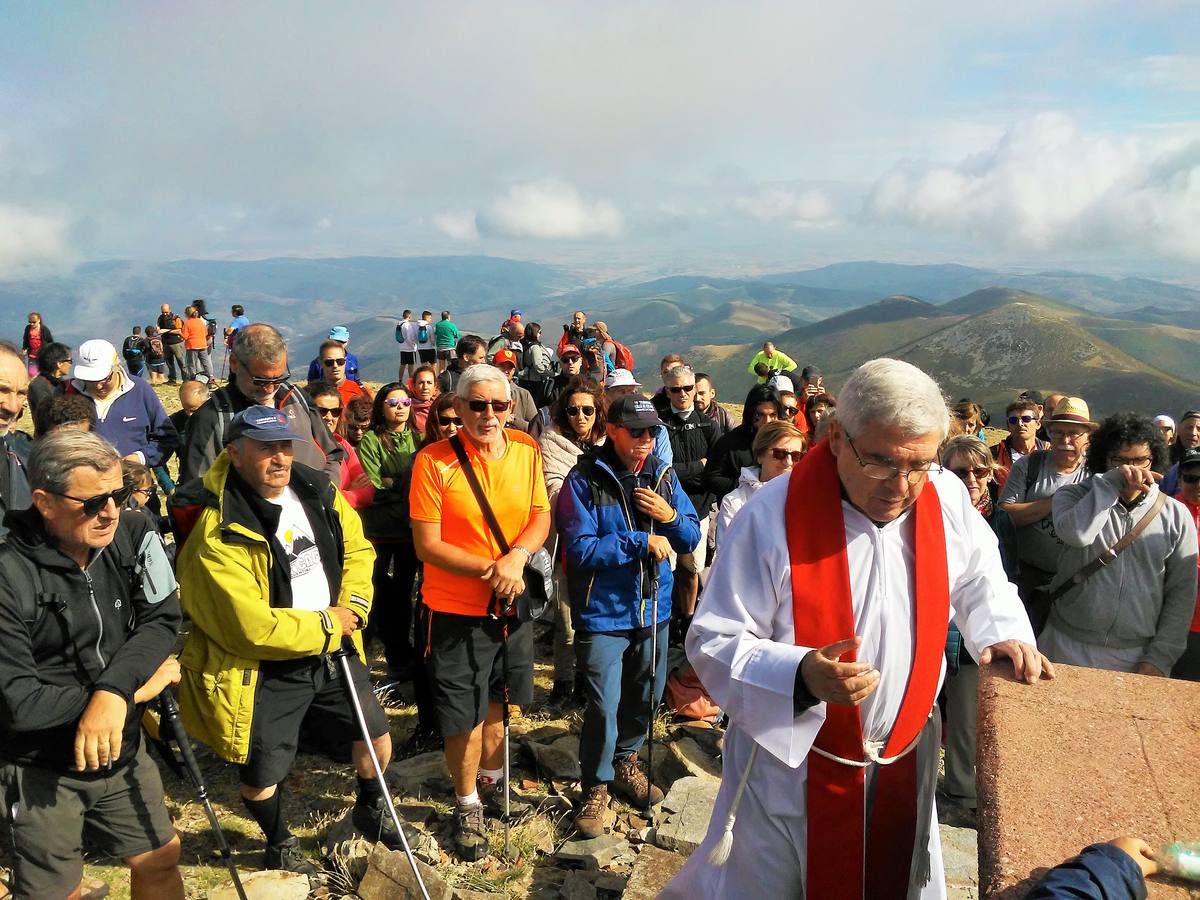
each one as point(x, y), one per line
point(355, 483)
point(577, 418)
point(777, 447)
point(355, 421)
point(388, 448)
point(734, 450)
point(969, 458)
point(442, 421)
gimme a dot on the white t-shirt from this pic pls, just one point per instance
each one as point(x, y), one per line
point(428, 343)
point(310, 587)
point(408, 331)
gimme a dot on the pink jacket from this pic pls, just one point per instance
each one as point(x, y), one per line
point(351, 470)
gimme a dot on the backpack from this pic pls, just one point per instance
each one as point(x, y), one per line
point(156, 346)
point(210, 328)
point(539, 363)
point(423, 333)
point(1033, 470)
point(687, 697)
point(624, 358)
point(132, 348)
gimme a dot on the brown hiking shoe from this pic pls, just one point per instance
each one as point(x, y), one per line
point(632, 785)
point(590, 821)
point(470, 832)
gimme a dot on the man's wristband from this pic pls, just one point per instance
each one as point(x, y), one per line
point(528, 555)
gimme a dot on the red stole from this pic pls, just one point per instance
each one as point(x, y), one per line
point(845, 860)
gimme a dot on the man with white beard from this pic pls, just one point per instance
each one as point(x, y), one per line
point(810, 636)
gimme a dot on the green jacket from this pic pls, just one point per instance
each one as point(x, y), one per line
point(776, 362)
point(226, 570)
point(379, 462)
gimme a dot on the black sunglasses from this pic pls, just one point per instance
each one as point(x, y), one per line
point(339, 361)
point(93, 505)
point(790, 411)
point(682, 388)
point(335, 411)
point(479, 406)
point(781, 454)
point(1024, 420)
point(576, 410)
point(269, 382)
point(446, 421)
point(638, 433)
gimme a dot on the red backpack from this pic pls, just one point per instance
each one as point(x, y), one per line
point(624, 356)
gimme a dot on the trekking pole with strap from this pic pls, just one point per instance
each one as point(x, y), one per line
point(654, 568)
point(169, 710)
point(342, 655)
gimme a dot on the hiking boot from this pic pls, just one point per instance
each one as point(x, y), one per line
point(589, 822)
point(375, 822)
point(493, 801)
point(288, 857)
point(631, 783)
point(470, 832)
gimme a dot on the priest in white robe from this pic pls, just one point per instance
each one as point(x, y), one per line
point(821, 632)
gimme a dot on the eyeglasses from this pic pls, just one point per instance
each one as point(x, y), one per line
point(638, 433)
point(880, 472)
point(981, 473)
point(499, 406)
point(682, 388)
point(93, 505)
point(581, 410)
point(334, 412)
point(447, 421)
point(147, 492)
point(339, 361)
point(1024, 420)
point(393, 402)
point(1194, 478)
point(790, 411)
point(1139, 462)
point(1073, 436)
point(782, 455)
point(269, 382)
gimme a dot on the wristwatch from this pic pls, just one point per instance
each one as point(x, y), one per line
point(528, 555)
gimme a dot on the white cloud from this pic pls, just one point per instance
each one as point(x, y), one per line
point(1178, 72)
point(1048, 186)
point(32, 243)
point(798, 207)
point(549, 209)
point(458, 226)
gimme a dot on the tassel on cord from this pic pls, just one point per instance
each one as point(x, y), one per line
point(719, 855)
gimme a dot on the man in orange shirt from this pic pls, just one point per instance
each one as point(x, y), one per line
point(333, 368)
point(195, 343)
point(464, 570)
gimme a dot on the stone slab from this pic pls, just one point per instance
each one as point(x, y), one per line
point(653, 869)
point(390, 877)
point(592, 853)
point(688, 806)
point(267, 885)
point(1087, 757)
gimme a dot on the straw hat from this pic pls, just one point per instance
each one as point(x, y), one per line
point(1072, 411)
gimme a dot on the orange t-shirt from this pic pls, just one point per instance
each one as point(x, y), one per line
point(516, 489)
point(195, 334)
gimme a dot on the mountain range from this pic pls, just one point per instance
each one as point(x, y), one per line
point(985, 334)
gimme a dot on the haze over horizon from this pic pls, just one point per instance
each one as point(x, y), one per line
point(623, 137)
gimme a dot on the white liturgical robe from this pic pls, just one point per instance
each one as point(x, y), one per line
point(741, 643)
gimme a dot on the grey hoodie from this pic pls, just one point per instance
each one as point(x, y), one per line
point(1145, 597)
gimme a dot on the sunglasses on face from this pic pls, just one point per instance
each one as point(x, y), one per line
point(359, 427)
point(638, 433)
point(498, 406)
point(980, 473)
point(682, 388)
point(1024, 420)
point(1192, 478)
point(581, 410)
point(393, 402)
point(93, 505)
point(334, 411)
point(447, 421)
point(339, 361)
point(269, 382)
point(790, 411)
point(781, 455)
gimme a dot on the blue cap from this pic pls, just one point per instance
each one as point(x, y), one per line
point(339, 333)
point(261, 423)
point(515, 312)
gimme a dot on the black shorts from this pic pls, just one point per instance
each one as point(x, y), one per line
point(301, 695)
point(446, 354)
point(408, 357)
point(122, 814)
point(465, 671)
point(427, 356)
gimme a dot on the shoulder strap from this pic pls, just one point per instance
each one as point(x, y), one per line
point(1112, 552)
point(461, 452)
point(1033, 471)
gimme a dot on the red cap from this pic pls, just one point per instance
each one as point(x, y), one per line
point(505, 356)
point(568, 349)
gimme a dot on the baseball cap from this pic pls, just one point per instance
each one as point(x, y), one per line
point(782, 383)
point(261, 423)
point(95, 360)
point(1190, 414)
point(1032, 396)
point(505, 357)
point(620, 378)
point(808, 373)
point(1191, 457)
point(514, 313)
point(569, 350)
point(633, 412)
point(339, 333)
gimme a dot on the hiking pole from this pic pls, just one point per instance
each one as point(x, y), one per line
point(342, 655)
point(169, 710)
point(505, 717)
point(653, 682)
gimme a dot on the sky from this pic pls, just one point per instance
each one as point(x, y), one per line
point(639, 136)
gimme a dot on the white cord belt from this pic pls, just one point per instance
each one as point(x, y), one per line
point(871, 750)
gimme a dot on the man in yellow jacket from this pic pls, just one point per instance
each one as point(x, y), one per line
point(768, 361)
point(274, 575)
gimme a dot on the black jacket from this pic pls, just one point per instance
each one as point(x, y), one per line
point(67, 632)
point(731, 454)
point(692, 442)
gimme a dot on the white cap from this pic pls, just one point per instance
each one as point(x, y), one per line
point(95, 360)
point(620, 378)
point(1164, 420)
point(782, 383)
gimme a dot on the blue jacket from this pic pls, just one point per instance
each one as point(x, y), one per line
point(136, 421)
point(607, 555)
point(316, 371)
point(1100, 872)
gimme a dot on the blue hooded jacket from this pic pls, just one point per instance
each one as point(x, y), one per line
point(606, 550)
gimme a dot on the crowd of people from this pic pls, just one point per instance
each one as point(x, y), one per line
point(779, 549)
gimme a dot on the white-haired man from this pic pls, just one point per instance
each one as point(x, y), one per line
point(810, 637)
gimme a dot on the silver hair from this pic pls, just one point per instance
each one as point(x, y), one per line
point(680, 372)
point(261, 342)
point(481, 373)
point(55, 456)
point(893, 394)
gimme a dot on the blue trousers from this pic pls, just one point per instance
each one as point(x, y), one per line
point(616, 676)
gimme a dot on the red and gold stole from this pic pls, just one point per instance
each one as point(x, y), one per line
point(847, 859)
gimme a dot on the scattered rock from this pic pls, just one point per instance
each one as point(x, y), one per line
point(611, 885)
point(688, 806)
point(708, 736)
point(352, 848)
point(694, 759)
point(558, 760)
point(390, 877)
point(577, 887)
point(416, 813)
point(960, 855)
point(593, 853)
point(420, 774)
point(546, 734)
point(465, 894)
point(654, 868)
point(267, 885)
point(349, 856)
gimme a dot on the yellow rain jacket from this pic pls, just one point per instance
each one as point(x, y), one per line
point(225, 570)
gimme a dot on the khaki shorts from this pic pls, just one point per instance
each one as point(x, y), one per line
point(122, 814)
point(693, 562)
